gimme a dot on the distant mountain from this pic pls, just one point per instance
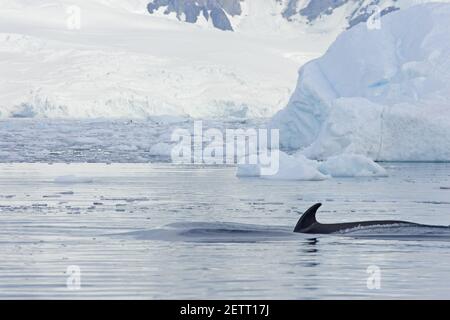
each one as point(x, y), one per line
point(190, 10)
point(229, 14)
point(359, 10)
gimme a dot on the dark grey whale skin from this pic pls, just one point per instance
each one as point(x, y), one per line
point(308, 223)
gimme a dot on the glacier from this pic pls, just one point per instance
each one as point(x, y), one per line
point(124, 62)
point(380, 93)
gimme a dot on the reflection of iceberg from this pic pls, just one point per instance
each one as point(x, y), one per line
point(381, 93)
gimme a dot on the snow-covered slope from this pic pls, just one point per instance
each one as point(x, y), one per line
point(381, 93)
point(124, 62)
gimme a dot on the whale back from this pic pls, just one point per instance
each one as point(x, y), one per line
point(308, 219)
point(309, 224)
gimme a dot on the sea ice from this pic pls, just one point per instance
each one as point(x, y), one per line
point(161, 149)
point(298, 167)
point(350, 165)
point(290, 168)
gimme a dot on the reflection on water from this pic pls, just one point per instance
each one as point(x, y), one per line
point(159, 231)
point(311, 245)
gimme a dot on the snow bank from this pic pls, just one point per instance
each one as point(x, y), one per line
point(71, 179)
point(382, 93)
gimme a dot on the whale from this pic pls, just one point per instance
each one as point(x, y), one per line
point(309, 224)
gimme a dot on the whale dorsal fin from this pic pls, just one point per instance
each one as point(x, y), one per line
point(308, 218)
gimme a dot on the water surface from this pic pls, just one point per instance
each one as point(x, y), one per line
point(162, 231)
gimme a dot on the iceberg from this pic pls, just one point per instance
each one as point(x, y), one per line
point(298, 167)
point(290, 168)
point(351, 165)
point(381, 93)
point(161, 149)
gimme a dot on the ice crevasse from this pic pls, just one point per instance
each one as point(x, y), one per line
point(381, 93)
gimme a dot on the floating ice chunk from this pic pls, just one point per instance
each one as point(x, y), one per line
point(72, 179)
point(290, 168)
point(161, 149)
point(298, 167)
point(24, 111)
point(169, 119)
point(351, 165)
point(88, 140)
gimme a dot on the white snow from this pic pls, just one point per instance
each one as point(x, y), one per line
point(123, 62)
point(384, 94)
point(71, 179)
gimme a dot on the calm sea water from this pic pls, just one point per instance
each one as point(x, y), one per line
point(162, 231)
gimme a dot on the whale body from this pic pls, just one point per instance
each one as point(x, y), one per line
point(308, 223)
